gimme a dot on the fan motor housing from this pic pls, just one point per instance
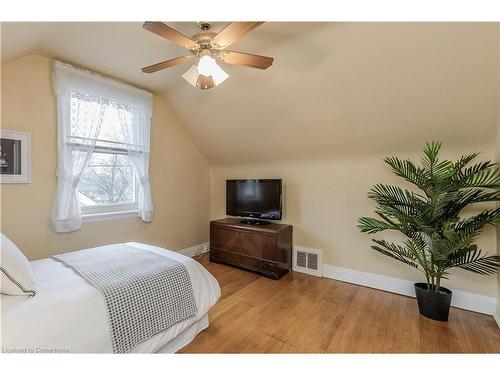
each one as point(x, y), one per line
point(203, 38)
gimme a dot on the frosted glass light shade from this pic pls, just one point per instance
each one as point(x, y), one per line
point(191, 75)
point(208, 68)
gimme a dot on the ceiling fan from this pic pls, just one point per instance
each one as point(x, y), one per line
point(208, 48)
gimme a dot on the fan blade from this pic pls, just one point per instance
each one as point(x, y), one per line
point(246, 59)
point(205, 82)
point(166, 64)
point(173, 35)
point(232, 32)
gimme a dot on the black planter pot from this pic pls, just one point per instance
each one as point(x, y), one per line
point(434, 306)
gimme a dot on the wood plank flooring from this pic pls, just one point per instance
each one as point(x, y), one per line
point(306, 314)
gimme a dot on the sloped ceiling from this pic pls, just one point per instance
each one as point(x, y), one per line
point(335, 89)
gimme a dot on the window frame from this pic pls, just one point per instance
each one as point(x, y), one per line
point(110, 210)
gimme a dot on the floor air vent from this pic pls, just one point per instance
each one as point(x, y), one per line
point(307, 260)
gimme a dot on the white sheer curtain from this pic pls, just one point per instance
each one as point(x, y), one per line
point(82, 98)
point(136, 128)
point(76, 143)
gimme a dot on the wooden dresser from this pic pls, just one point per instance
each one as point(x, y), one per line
point(265, 249)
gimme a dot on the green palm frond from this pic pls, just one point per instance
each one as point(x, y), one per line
point(469, 196)
point(371, 225)
point(407, 170)
point(443, 170)
point(464, 160)
point(417, 246)
point(430, 159)
point(396, 197)
point(396, 252)
point(439, 204)
point(431, 151)
point(482, 175)
point(478, 222)
point(471, 259)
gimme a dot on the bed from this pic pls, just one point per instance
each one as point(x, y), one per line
point(68, 314)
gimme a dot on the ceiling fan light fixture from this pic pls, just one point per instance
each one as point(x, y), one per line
point(207, 68)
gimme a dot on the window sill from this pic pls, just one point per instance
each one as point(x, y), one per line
point(88, 218)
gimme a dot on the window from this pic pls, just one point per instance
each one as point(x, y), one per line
point(108, 183)
point(103, 149)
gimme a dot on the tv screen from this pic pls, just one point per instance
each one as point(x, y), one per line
point(259, 199)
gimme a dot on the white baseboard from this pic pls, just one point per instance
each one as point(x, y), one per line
point(195, 250)
point(463, 300)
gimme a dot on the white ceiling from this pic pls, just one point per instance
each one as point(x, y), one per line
point(335, 89)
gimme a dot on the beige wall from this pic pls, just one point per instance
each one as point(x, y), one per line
point(324, 199)
point(179, 175)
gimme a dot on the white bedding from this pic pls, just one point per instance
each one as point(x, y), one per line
point(69, 314)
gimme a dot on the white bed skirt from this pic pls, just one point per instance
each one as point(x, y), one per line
point(185, 337)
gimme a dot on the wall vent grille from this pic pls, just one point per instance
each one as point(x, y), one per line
point(308, 260)
point(301, 259)
point(312, 261)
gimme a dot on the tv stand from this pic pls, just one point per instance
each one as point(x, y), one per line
point(254, 222)
point(265, 249)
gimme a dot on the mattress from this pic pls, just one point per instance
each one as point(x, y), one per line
point(69, 315)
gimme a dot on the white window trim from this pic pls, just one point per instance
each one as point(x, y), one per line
point(111, 207)
point(111, 211)
point(111, 215)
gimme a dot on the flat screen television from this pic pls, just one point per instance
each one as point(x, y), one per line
point(256, 199)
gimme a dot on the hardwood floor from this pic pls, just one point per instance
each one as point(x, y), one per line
point(306, 314)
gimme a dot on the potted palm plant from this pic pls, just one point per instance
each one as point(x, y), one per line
point(437, 237)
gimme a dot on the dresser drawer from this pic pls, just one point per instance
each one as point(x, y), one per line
point(242, 242)
point(264, 267)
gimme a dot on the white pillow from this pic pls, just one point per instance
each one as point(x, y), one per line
point(16, 275)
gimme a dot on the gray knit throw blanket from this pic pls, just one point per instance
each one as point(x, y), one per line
point(145, 293)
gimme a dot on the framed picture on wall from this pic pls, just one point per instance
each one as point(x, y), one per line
point(15, 157)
